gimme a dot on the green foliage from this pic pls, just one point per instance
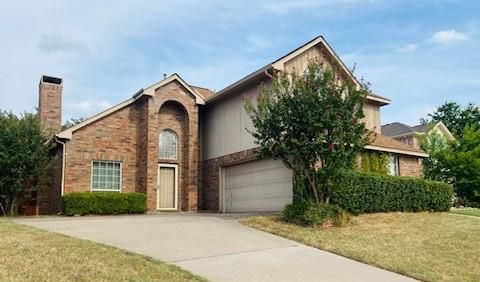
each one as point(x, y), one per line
point(433, 167)
point(374, 162)
point(24, 159)
point(461, 163)
point(310, 121)
point(309, 213)
point(364, 193)
point(455, 117)
point(103, 203)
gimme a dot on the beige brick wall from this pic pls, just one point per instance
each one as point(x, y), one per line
point(50, 106)
point(410, 166)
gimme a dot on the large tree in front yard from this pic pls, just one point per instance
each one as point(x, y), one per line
point(24, 159)
point(313, 123)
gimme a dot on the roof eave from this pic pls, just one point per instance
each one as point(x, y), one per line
point(397, 151)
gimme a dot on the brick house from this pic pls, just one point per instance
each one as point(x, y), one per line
point(186, 147)
point(412, 135)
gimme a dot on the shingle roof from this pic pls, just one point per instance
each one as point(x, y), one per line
point(399, 129)
point(423, 127)
point(205, 92)
point(396, 128)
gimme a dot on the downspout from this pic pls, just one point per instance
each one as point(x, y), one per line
point(62, 185)
point(268, 74)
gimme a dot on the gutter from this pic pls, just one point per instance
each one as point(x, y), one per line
point(63, 165)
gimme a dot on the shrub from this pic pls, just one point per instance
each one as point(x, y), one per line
point(103, 203)
point(360, 192)
point(309, 213)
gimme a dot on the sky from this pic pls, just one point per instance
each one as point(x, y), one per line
point(419, 53)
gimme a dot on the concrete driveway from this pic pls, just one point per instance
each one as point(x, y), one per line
point(215, 246)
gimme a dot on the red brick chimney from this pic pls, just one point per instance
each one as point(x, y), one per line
point(50, 103)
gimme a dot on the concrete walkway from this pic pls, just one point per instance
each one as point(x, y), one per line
point(216, 247)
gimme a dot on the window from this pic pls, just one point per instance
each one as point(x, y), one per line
point(394, 165)
point(106, 176)
point(168, 145)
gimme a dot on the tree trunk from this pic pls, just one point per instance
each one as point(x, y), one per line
point(13, 206)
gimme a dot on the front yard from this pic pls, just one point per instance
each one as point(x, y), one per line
point(29, 254)
point(471, 212)
point(426, 246)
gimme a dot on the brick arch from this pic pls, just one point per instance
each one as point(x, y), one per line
point(173, 116)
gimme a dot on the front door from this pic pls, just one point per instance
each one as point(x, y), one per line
point(167, 188)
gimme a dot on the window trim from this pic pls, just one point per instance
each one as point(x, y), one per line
point(106, 190)
point(396, 159)
point(160, 144)
point(175, 167)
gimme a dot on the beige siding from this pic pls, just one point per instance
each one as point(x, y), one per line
point(300, 63)
point(372, 117)
point(224, 128)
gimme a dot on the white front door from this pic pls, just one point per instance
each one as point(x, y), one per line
point(167, 187)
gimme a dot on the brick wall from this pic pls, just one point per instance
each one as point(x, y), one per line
point(410, 166)
point(112, 138)
point(131, 136)
point(210, 177)
point(50, 106)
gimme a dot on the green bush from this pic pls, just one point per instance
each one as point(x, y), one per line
point(360, 192)
point(103, 203)
point(309, 213)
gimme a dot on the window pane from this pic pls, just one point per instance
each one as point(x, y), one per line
point(168, 145)
point(106, 176)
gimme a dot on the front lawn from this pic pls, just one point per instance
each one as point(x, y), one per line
point(426, 246)
point(471, 212)
point(30, 254)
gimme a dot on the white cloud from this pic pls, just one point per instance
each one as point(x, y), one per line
point(408, 48)
point(448, 36)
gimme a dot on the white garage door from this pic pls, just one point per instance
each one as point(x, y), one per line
point(264, 185)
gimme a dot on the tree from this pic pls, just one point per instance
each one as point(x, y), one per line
point(313, 124)
point(72, 122)
point(455, 117)
point(433, 167)
point(461, 161)
point(24, 159)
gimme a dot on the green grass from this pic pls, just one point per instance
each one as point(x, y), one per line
point(30, 254)
point(471, 212)
point(426, 246)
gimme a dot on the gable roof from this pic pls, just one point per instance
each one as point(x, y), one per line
point(398, 129)
point(279, 64)
point(149, 91)
point(387, 144)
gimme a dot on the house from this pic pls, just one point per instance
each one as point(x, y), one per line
point(186, 147)
point(412, 135)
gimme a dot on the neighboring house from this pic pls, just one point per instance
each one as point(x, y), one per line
point(186, 147)
point(412, 135)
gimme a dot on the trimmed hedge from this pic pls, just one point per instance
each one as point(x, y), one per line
point(103, 203)
point(360, 192)
point(309, 213)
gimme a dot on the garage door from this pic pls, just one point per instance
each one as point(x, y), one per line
point(264, 185)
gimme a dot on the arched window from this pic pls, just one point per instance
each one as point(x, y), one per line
point(168, 145)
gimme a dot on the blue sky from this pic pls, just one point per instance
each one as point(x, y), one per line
point(417, 53)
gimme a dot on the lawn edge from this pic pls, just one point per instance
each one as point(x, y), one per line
point(330, 251)
point(127, 252)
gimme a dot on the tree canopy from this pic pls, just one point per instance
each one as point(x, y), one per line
point(313, 124)
point(24, 159)
point(455, 117)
